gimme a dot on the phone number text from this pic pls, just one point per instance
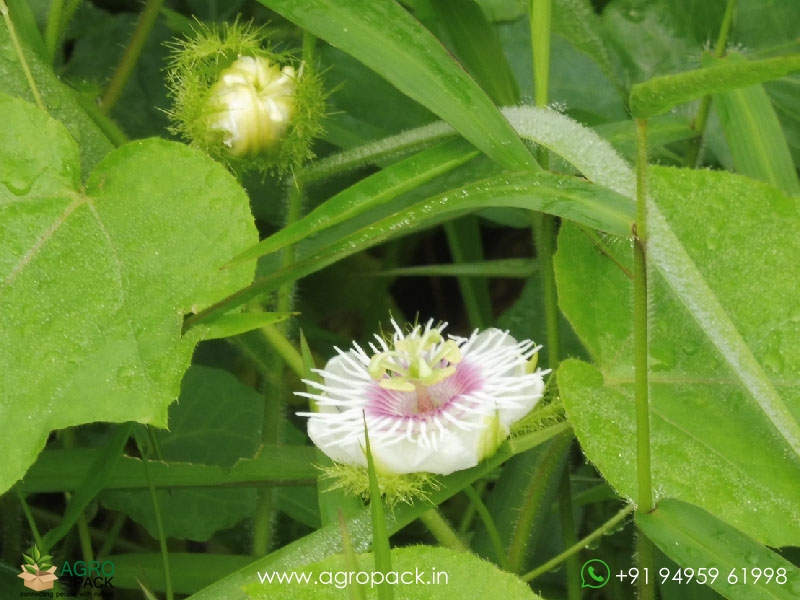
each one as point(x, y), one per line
point(707, 575)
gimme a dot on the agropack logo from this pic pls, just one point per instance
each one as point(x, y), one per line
point(91, 575)
point(38, 573)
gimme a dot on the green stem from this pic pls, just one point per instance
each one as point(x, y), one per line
point(162, 538)
point(700, 121)
point(293, 213)
point(26, 510)
point(580, 545)
point(540, 18)
point(131, 55)
point(640, 348)
point(394, 147)
point(68, 439)
point(52, 31)
point(544, 227)
point(12, 32)
point(488, 523)
point(463, 238)
point(471, 509)
point(567, 518)
point(544, 242)
point(109, 128)
point(270, 435)
point(273, 402)
point(645, 558)
point(543, 467)
point(112, 536)
point(288, 353)
point(442, 530)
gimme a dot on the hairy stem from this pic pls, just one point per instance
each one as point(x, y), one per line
point(162, 538)
point(700, 121)
point(580, 545)
point(489, 524)
point(131, 55)
point(442, 530)
point(640, 349)
point(12, 32)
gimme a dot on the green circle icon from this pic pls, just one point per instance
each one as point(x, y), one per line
point(595, 573)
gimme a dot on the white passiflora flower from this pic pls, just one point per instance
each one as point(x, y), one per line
point(252, 103)
point(431, 405)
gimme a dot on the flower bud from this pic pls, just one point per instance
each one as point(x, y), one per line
point(252, 104)
point(244, 104)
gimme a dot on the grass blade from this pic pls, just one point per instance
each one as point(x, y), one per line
point(387, 39)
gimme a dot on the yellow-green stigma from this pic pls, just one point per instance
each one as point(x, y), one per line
point(415, 362)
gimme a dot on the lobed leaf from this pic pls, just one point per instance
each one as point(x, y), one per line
point(96, 280)
point(723, 368)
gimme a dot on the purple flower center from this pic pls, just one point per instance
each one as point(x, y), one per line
point(425, 401)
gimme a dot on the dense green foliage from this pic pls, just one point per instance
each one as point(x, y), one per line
point(159, 308)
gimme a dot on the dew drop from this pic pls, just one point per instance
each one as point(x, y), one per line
point(773, 360)
point(18, 186)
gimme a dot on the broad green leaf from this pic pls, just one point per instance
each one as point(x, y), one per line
point(383, 35)
point(368, 193)
point(577, 21)
point(96, 280)
point(755, 137)
point(431, 572)
point(693, 538)
point(567, 197)
point(327, 541)
point(724, 368)
point(60, 101)
point(660, 94)
point(598, 162)
point(216, 421)
point(656, 37)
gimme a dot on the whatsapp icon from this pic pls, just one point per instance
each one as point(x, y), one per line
point(595, 573)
